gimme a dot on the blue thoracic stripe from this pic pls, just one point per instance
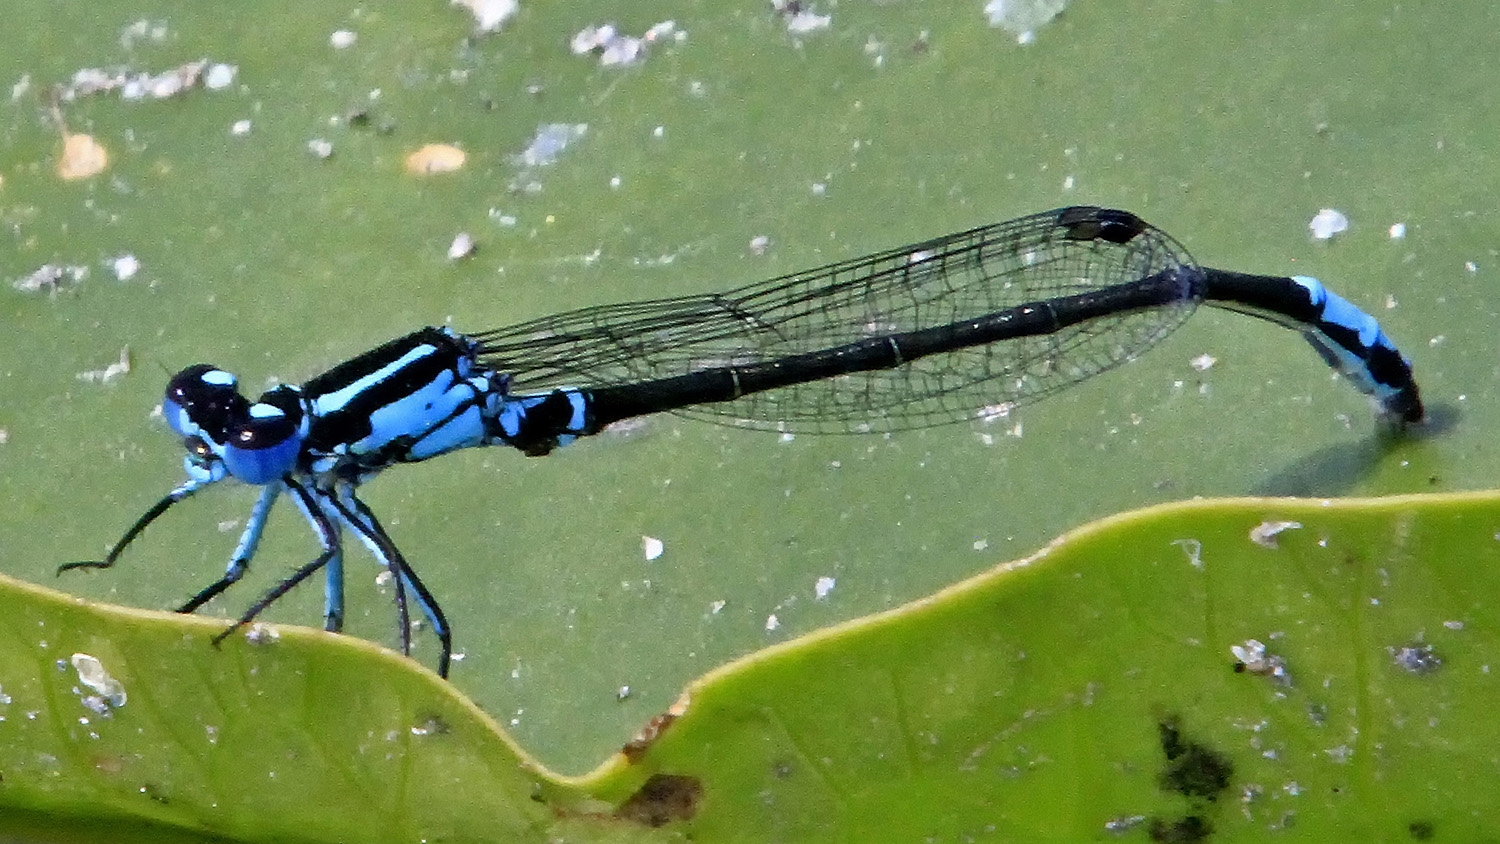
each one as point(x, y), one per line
point(346, 400)
point(907, 338)
point(385, 383)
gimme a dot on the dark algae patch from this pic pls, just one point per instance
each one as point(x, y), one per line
point(1193, 769)
point(1185, 830)
point(1196, 771)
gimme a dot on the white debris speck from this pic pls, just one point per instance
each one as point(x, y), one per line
point(1123, 824)
point(652, 547)
point(4, 436)
point(1256, 660)
point(384, 579)
point(431, 725)
point(1327, 223)
point(1340, 755)
point(615, 48)
point(716, 607)
point(772, 622)
point(490, 15)
point(804, 21)
point(1471, 267)
point(1398, 231)
point(1193, 548)
point(1203, 362)
point(320, 148)
point(622, 693)
point(592, 38)
point(1454, 625)
point(142, 29)
point(240, 129)
point(48, 277)
point(1264, 534)
point(220, 76)
point(549, 142)
point(822, 587)
point(1416, 659)
point(91, 80)
point(4, 698)
point(20, 89)
point(981, 544)
point(759, 244)
point(342, 39)
point(622, 51)
point(135, 85)
point(167, 86)
point(261, 633)
point(463, 246)
point(1022, 18)
point(111, 372)
point(125, 267)
point(91, 673)
point(662, 31)
point(992, 413)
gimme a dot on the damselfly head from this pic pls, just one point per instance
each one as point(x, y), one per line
point(225, 434)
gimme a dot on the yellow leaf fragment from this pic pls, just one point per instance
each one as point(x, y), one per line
point(82, 157)
point(435, 158)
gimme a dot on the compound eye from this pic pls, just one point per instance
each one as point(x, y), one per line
point(262, 431)
point(203, 400)
point(263, 446)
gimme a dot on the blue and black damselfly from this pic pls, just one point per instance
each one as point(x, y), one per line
point(918, 336)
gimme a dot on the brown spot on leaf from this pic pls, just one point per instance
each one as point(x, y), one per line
point(637, 747)
point(662, 799)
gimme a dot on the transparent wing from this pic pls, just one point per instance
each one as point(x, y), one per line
point(934, 283)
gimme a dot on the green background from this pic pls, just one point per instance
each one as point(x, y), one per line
point(1228, 125)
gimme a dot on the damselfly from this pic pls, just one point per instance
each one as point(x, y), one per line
point(913, 337)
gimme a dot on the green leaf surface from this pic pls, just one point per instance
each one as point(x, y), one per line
point(1089, 687)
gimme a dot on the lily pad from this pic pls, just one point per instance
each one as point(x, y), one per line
point(1092, 687)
